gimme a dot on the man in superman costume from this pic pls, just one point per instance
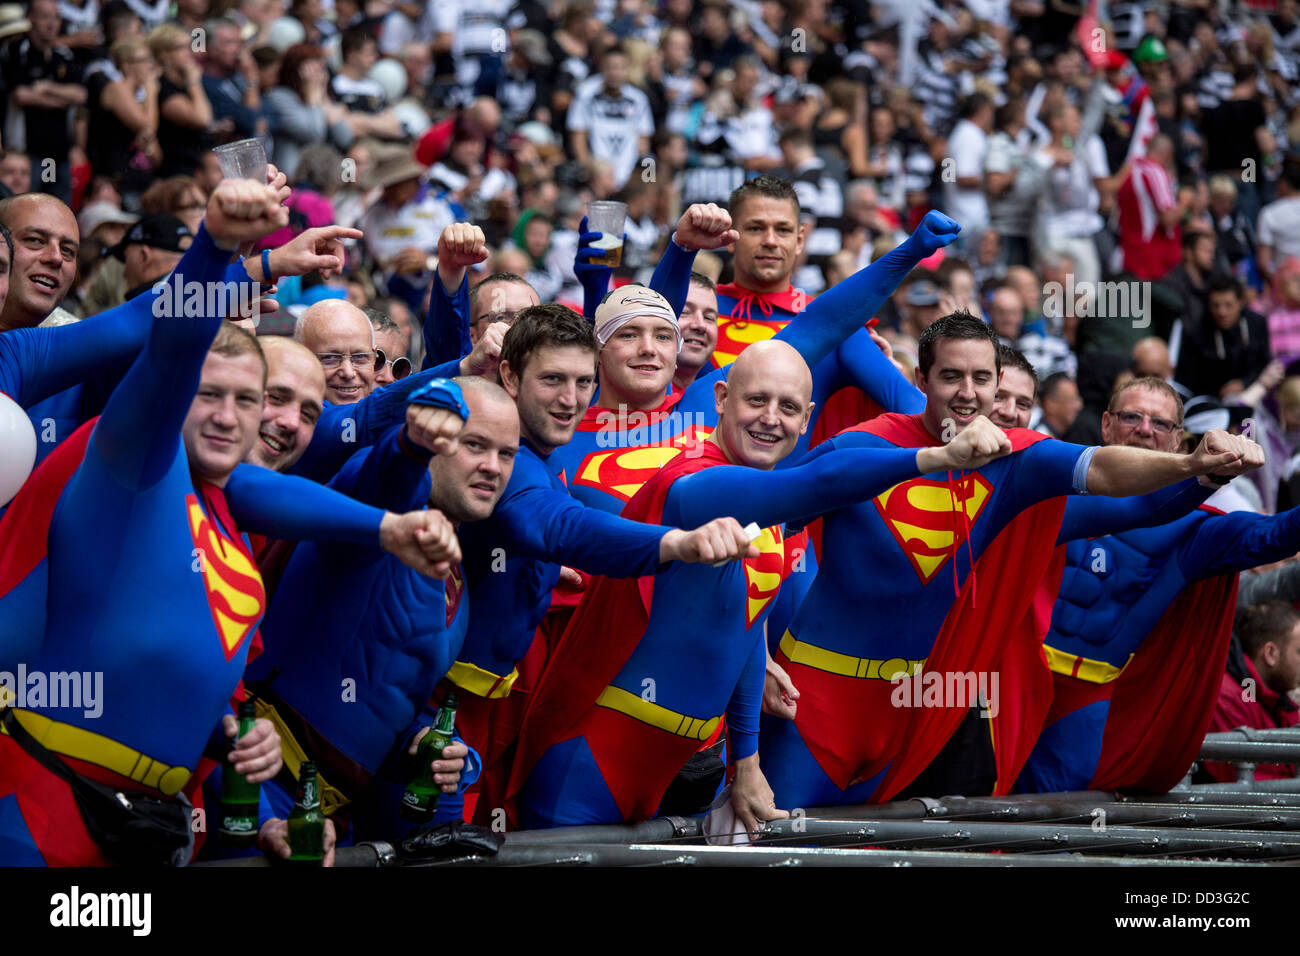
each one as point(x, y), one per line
point(355, 619)
point(1140, 632)
point(637, 426)
point(989, 536)
point(761, 301)
point(146, 494)
point(659, 688)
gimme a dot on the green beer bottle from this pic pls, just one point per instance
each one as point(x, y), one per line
point(239, 798)
point(420, 801)
point(306, 822)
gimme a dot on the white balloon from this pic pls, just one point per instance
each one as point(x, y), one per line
point(285, 32)
point(17, 448)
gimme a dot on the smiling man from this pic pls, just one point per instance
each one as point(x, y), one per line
point(341, 337)
point(343, 613)
point(46, 241)
point(699, 324)
point(1013, 403)
point(631, 691)
point(295, 393)
point(513, 558)
point(638, 426)
point(931, 540)
point(140, 493)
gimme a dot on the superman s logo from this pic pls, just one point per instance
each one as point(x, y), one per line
point(232, 582)
point(763, 574)
point(622, 471)
point(923, 516)
point(734, 336)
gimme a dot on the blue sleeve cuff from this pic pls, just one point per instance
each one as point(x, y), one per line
point(1081, 467)
point(441, 393)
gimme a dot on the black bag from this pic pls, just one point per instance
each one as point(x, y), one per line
point(131, 828)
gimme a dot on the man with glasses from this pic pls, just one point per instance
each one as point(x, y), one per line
point(339, 334)
point(1140, 630)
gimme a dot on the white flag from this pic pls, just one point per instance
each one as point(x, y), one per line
point(1145, 127)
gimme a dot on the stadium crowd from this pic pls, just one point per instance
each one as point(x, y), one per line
point(1036, 264)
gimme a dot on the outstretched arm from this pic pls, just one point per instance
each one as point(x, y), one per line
point(1093, 517)
point(835, 479)
point(1119, 470)
point(844, 308)
point(1240, 540)
point(343, 429)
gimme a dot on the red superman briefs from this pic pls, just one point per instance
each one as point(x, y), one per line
point(907, 555)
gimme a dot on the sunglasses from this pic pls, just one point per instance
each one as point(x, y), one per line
point(1161, 426)
point(401, 364)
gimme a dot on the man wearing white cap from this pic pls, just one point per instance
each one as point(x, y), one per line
point(637, 426)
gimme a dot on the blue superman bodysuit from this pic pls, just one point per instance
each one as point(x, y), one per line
point(922, 538)
point(355, 643)
point(1114, 598)
point(663, 658)
point(116, 523)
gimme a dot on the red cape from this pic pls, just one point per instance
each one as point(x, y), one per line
point(1164, 700)
point(996, 625)
point(608, 624)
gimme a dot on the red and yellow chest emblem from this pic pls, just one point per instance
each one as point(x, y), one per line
point(763, 574)
point(735, 335)
point(454, 587)
point(622, 471)
point(925, 519)
point(232, 582)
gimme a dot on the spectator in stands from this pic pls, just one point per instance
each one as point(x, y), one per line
point(299, 110)
point(610, 118)
point(1229, 349)
point(1014, 182)
point(1059, 398)
point(1263, 671)
point(1278, 228)
point(231, 81)
point(967, 147)
point(1236, 236)
point(122, 134)
point(184, 111)
point(44, 81)
point(1150, 214)
point(1186, 284)
point(363, 97)
point(1284, 318)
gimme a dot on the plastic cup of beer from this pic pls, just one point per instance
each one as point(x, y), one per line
point(245, 159)
point(608, 218)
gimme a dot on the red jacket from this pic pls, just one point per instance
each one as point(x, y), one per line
point(1258, 707)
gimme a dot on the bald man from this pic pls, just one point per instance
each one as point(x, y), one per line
point(659, 689)
point(340, 336)
point(1151, 359)
point(46, 242)
point(291, 405)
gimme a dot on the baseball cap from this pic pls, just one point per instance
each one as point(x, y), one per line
point(632, 302)
point(161, 231)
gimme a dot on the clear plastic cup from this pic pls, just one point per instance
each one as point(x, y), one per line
point(245, 159)
point(608, 218)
